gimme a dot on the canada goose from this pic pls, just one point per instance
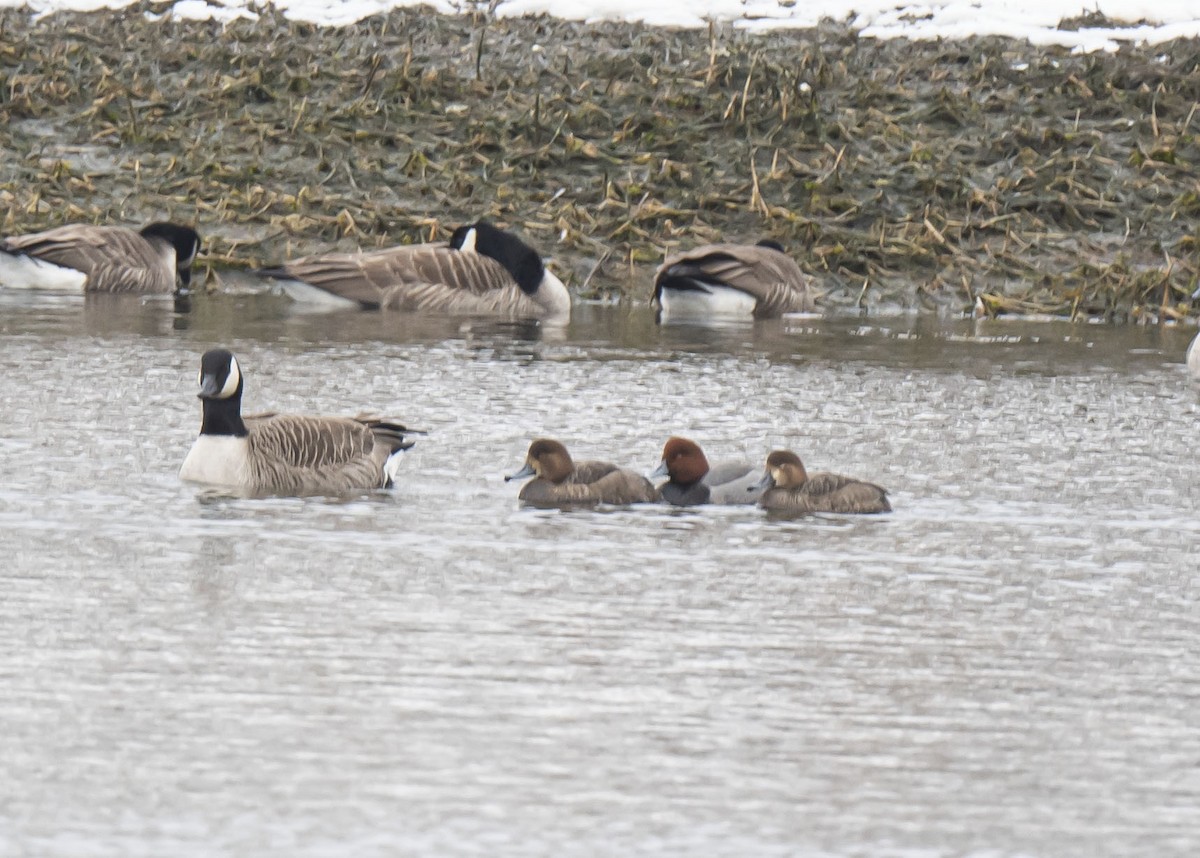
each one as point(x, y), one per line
point(482, 270)
point(88, 258)
point(560, 480)
point(692, 481)
point(282, 453)
point(731, 280)
point(789, 487)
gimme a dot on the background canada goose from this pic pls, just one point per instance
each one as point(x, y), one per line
point(693, 481)
point(742, 280)
point(790, 487)
point(101, 258)
point(482, 270)
point(561, 480)
point(284, 454)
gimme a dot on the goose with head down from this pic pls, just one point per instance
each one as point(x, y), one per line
point(788, 486)
point(758, 281)
point(284, 454)
point(87, 258)
point(692, 481)
point(481, 271)
point(559, 480)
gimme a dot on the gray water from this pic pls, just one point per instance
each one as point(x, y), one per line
point(1007, 665)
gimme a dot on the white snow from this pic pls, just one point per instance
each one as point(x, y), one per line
point(1033, 20)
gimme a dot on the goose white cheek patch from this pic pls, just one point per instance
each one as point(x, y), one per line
point(232, 382)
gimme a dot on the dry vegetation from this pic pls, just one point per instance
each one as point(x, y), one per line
point(986, 174)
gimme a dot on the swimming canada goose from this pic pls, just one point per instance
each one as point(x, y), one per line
point(731, 280)
point(560, 480)
point(282, 453)
point(482, 270)
point(693, 481)
point(788, 486)
point(89, 258)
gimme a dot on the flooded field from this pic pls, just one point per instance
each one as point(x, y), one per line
point(1004, 666)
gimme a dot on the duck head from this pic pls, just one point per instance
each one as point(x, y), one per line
point(784, 470)
point(683, 461)
point(546, 459)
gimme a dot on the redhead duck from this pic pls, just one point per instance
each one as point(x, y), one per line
point(790, 487)
point(482, 270)
point(280, 453)
point(757, 281)
point(693, 481)
point(89, 258)
point(560, 480)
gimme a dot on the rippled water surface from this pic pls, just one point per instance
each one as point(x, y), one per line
point(1007, 665)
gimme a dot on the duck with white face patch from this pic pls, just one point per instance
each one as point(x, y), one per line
point(285, 454)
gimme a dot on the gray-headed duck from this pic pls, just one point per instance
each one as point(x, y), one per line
point(757, 281)
point(89, 258)
point(481, 271)
point(284, 454)
point(692, 481)
point(559, 480)
point(790, 487)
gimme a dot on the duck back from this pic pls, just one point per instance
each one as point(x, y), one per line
point(829, 493)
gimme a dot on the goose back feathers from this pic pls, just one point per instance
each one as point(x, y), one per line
point(757, 280)
point(481, 271)
point(101, 258)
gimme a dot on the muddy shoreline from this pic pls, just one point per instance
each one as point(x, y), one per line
point(988, 175)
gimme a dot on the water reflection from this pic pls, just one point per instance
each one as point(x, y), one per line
point(228, 674)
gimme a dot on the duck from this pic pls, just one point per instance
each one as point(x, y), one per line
point(750, 281)
point(156, 260)
point(692, 481)
point(285, 454)
point(788, 486)
point(482, 270)
point(559, 480)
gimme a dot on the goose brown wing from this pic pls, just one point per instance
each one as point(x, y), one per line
point(315, 443)
point(444, 280)
point(773, 278)
point(353, 276)
point(422, 276)
point(115, 259)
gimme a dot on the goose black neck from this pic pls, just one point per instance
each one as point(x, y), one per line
point(223, 417)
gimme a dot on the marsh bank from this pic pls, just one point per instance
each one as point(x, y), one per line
point(987, 174)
